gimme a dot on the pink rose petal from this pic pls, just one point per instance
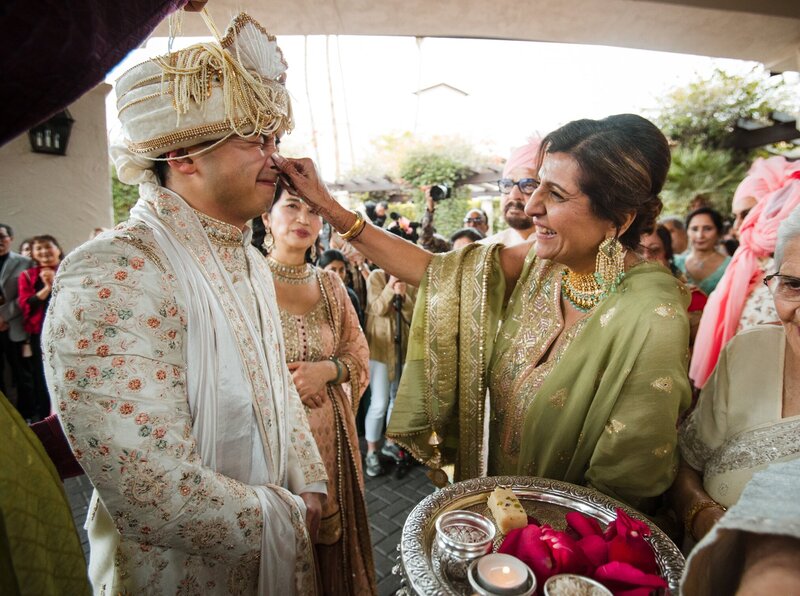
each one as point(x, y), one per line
point(583, 525)
point(595, 549)
point(621, 577)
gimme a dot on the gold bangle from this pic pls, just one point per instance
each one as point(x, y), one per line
point(688, 521)
point(356, 228)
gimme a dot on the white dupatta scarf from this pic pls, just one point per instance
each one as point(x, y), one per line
point(237, 381)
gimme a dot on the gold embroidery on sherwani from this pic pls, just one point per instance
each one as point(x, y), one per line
point(136, 315)
point(220, 233)
point(265, 383)
point(147, 249)
point(662, 384)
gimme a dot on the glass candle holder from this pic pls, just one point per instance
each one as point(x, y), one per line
point(501, 575)
point(462, 537)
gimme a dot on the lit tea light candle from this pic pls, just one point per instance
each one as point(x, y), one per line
point(502, 574)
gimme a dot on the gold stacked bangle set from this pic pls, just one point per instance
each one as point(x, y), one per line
point(356, 228)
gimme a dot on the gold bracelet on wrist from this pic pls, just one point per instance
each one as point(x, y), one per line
point(356, 228)
point(688, 521)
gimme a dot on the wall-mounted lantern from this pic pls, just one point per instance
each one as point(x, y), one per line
point(52, 135)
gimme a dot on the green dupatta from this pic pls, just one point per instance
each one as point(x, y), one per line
point(606, 413)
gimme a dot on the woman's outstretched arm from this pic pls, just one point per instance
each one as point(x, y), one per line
point(401, 258)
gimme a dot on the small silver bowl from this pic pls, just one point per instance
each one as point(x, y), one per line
point(464, 534)
point(599, 589)
point(461, 537)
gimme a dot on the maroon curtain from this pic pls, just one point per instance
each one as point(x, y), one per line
point(54, 51)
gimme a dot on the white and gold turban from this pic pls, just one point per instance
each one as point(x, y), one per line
point(206, 92)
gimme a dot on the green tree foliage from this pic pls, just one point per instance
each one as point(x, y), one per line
point(124, 196)
point(426, 166)
point(699, 119)
point(413, 163)
point(697, 170)
point(705, 111)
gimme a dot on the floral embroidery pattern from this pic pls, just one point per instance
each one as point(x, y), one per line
point(520, 373)
point(115, 360)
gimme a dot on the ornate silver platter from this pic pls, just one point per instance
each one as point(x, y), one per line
point(546, 500)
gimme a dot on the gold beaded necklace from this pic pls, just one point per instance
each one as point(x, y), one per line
point(581, 289)
point(291, 274)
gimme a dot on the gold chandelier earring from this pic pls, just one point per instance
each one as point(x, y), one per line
point(312, 252)
point(610, 264)
point(269, 241)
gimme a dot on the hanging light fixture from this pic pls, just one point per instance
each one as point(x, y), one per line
point(52, 135)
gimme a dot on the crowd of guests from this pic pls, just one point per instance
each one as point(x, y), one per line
point(347, 324)
point(27, 281)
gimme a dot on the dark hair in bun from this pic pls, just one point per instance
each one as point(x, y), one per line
point(623, 161)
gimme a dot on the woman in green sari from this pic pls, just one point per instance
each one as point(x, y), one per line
point(581, 345)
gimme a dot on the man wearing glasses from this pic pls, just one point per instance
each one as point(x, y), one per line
point(477, 219)
point(516, 186)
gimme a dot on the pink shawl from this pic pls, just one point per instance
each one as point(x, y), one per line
point(775, 183)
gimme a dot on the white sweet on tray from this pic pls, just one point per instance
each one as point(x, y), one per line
point(507, 510)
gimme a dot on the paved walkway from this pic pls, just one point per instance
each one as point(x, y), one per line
point(389, 501)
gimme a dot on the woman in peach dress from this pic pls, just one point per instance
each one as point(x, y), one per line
point(328, 356)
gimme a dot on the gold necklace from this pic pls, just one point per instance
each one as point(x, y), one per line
point(291, 274)
point(581, 289)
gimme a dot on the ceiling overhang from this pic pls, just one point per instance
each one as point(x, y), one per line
point(766, 31)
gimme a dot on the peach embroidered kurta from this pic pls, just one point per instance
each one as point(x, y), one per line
point(331, 328)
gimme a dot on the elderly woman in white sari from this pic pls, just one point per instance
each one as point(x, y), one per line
point(748, 414)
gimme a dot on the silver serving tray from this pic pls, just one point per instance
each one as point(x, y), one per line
point(546, 500)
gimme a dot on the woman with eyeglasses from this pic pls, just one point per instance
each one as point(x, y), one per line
point(748, 414)
point(580, 343)
point(740, 300)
